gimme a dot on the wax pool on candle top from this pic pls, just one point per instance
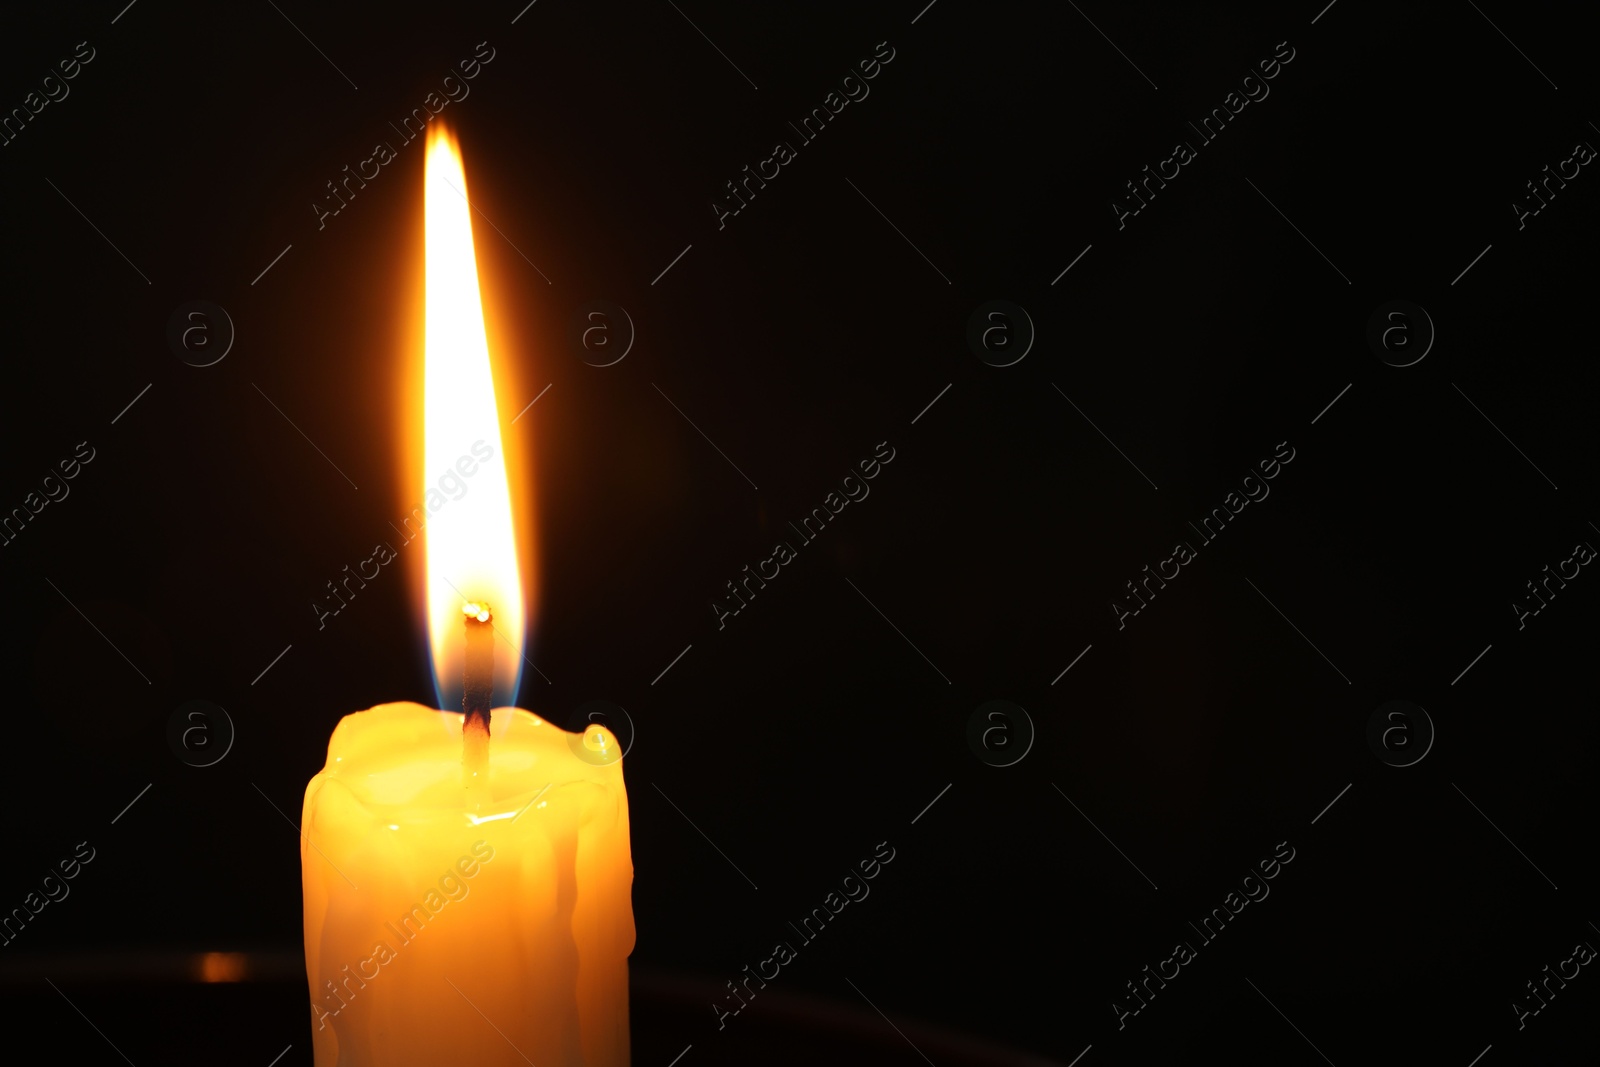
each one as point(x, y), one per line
point(444, 926)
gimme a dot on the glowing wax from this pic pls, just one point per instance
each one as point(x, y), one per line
point(441, 929)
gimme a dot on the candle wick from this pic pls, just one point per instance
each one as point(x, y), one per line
point(478, 692)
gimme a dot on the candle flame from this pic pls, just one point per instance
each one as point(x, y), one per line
point(471, 544)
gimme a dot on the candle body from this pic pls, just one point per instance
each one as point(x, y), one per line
point(446, 927)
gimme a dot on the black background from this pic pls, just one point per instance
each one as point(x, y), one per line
point(1197, 338)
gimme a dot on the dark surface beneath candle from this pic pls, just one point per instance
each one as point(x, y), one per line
point(1296, 356)
point(137, 997)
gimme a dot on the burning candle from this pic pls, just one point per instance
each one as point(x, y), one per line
point(466, 874)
